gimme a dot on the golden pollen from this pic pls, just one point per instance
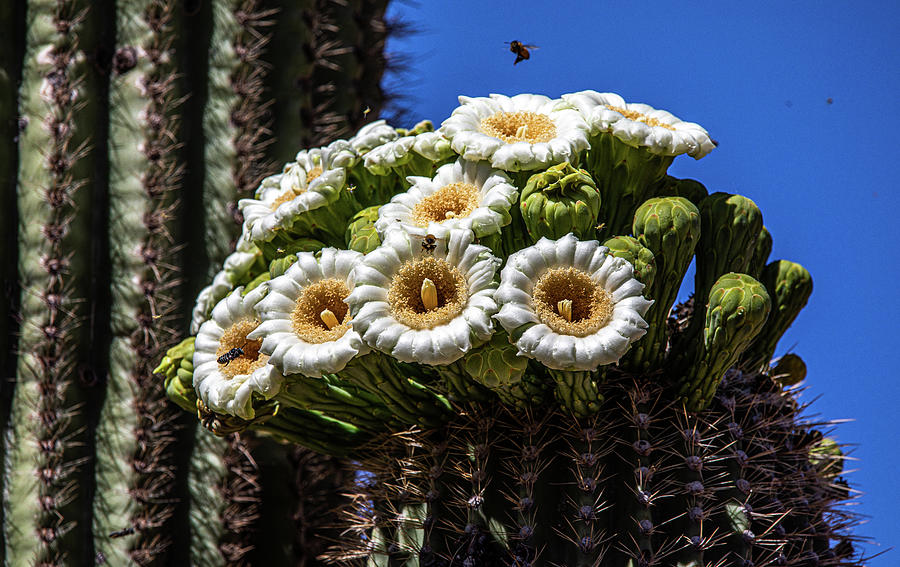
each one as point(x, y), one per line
point(523, 126)
point(450, 201)
point(235, 336)
point(412, 301)
point(320, 314)
point(429, 295)
point(569, 302)
point(285, 197)
point(329, 319)
point(313, 173)
point(564, 308)
point(638, 117)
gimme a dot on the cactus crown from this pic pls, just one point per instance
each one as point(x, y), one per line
point(459, 327)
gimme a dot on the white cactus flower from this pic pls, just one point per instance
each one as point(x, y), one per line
point(371, 136)
point(422, 304)
point(640, 125)
point(305, 325)
point(466, 195)
point(518, 133)
point(313, 181)
point(228, 387)
point(430, 145)
point(570, 304)
point(235, 268)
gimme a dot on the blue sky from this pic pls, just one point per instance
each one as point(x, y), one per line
point(758, 77)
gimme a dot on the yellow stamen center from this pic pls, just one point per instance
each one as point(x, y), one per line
point(313, 173)
point(523, 126)
point(321, 315)
point(427, 292)
point(289, 195)
point(285, 197)
point(250, 358)
point(638, 117)
point(455, 200)
point(570, 303)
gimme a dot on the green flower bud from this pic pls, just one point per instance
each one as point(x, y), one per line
point(361, 235)
point(178, 369)
point(279, 266)
point(790, 370)
point(670, 228)
point(729, 228)
point(690, 189)
point(263, 277)
point(558, 201)
point(497, 366)
point(737, 310)
point(629, 249)
point(790, 286)
point(761, 252)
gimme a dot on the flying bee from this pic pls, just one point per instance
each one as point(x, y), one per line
point(520, 49)
point(429, 244)
point(232, 354)
point(122, 533)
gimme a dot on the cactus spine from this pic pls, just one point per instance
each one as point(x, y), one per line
point(108, 109)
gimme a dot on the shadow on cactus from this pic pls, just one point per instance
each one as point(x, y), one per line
point(517, 392)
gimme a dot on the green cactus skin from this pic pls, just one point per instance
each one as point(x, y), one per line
point(670, 228)
point(361, 235)
point(410, 401)
point(136, 429)
point(578, 391)
point(219, 190)
point(48, 484)
point(626, 177)
point(735, 313)
point(558, 201)
point(790, 285)
point(629, 249)
point(789, 370)
point(761, 252)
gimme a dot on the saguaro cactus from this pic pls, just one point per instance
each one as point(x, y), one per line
point(131, 129)
point(514, 392)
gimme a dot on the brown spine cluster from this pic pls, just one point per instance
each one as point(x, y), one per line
point(55, 350)
point(153, 463)
point(251, 114)
point(242, 493)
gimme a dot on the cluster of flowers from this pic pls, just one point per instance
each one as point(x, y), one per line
point(444, 268)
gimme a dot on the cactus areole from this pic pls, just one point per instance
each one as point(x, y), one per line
point(437, 304)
